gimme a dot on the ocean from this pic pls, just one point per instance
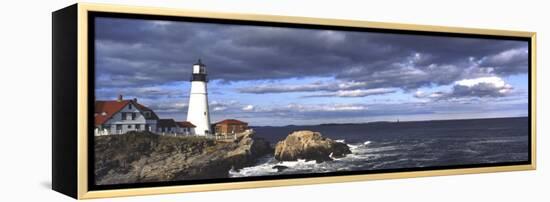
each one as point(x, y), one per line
point(397, 145)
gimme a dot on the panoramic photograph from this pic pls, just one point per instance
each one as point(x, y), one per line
point(189, 100)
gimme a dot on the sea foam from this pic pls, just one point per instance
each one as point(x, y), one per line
point(271, 166)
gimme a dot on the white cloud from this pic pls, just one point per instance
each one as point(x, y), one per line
point(470, 89)
point(180, 105)
point(248, 108)
point(493, 80)
point(355, 93)
point(419, 94)
point(432, 95)
point(436, 95)
point(331, 89)
point(224, 106)
point(345, 108)
point(326, 107)
point(285, 88)
point(351, 84)
point(332, 36)
point(219, 108)
point(161, 22)
point(168, 107)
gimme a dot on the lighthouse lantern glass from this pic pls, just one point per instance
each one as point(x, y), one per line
point(196, 69)
point(199, 69)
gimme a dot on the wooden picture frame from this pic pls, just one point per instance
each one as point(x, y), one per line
point(75, 125)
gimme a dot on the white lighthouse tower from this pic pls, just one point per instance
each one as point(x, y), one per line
point(197, 112)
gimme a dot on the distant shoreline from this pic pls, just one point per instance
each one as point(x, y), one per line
point(380, 122)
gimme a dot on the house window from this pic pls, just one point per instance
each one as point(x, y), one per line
point(123, 115)
point(129, 106)
point(129, 126)
point(118, 127)
point(138, 127)
point(133, 116)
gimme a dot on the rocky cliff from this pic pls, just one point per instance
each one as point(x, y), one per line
point(309, 145)
point(146, 157)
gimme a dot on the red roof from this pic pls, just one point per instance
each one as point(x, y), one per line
point(232, 121)
point(105, 109)
point(185, 124)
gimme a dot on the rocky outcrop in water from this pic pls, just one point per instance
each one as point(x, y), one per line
point(147, 157)
point(309, 145)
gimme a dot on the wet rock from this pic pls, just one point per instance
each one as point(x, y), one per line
point(309, 145)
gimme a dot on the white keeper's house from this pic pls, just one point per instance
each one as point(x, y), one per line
point(121, 116)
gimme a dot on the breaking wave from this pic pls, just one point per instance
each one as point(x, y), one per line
point(270, 166)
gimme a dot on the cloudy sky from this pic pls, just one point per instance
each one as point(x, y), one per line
point(281, 76)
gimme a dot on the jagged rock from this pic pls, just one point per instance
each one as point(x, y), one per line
point(309, 145)
point(146, 157)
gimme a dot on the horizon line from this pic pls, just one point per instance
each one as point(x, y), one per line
point(371, 122)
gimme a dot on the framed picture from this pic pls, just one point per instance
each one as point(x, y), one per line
point(155, 100)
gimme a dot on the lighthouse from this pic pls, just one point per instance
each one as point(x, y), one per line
point(197, 112)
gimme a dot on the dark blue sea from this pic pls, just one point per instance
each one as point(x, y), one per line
point(396, 145)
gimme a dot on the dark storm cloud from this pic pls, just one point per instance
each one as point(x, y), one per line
point(138, 53)
point(153, 92)
point(512, 61)
point(479, 90)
